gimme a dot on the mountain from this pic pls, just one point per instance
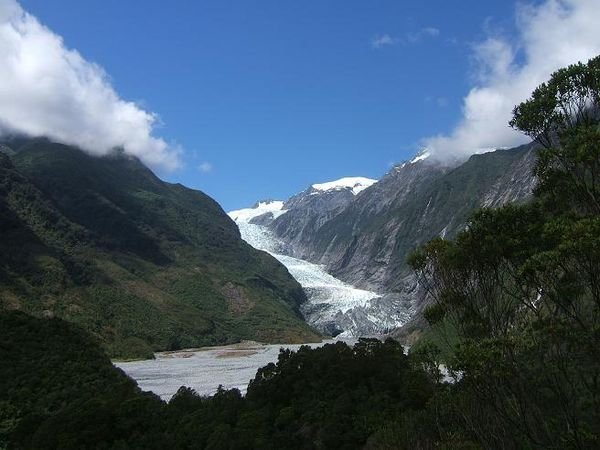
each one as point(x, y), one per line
point(333, 307)
point(367, 242)
point(310, 209)
point(364, 238)
point(142, 264)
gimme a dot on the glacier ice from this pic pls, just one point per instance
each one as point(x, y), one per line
point(333, 306)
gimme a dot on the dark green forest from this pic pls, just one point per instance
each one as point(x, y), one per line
point(59, 390)
point(518, 293)
point(142, 264)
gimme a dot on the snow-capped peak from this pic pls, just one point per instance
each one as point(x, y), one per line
point(274, 207)
point(356, 184)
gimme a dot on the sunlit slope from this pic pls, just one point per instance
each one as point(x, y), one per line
point(143, 264)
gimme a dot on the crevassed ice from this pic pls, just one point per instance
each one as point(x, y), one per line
point(329, 298)
point(321, 287)
point(274, 207)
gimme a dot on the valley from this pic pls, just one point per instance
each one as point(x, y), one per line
point(142, 268)
point(333, 306)
point(205, 369)
point(346, 241)
point(142, 264)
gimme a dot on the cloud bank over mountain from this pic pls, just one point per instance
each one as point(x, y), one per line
point(550, 35)
point(47, 89)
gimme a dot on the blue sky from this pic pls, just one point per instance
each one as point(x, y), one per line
point(266, 97)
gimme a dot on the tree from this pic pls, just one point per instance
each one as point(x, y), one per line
point(521, 284)
point(562, 116)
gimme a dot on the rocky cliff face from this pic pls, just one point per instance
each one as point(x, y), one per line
point(307, 212)
point(364, 239)
point(361, 231)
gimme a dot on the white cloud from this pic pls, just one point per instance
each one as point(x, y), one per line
point(49, 90)
point(205, 167)
point(382, 40)
point(550, 35)
point(417, 36)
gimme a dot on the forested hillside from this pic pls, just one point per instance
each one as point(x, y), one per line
point(142, 264)
point(59, 391)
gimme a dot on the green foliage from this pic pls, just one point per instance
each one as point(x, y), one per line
point(335, 396)
point(520, 285)
point(142, 264)
point(563, 115)
point(569, 99)
point(59, 390)
point(440, 339)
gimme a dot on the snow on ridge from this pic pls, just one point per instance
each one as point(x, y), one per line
point(483, 150)
point(357, 184)
point(424, 154)
point(420, 157)
point(274, 207)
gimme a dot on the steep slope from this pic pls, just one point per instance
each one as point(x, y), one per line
point(143, 264)
point(307, 211)
point(333, 307)
point(341, 238)
point(364, 239)
point(368, 242)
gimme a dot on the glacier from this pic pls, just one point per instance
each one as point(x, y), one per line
point(333, 307)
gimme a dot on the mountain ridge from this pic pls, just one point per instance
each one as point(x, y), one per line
point(364, 239)
point(143, 264)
